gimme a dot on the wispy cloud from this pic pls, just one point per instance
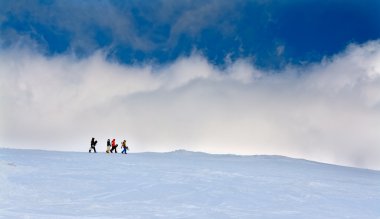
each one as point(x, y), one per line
point(328, 111)
point(129, 24)
point(273, 33)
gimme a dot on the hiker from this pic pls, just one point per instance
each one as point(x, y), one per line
point(124, 146)
point(108, 145)
point(114, 146)
point(93, 144)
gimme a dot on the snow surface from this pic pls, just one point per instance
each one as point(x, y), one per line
point(181, 184)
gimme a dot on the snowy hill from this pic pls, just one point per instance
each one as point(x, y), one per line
point(181, 184)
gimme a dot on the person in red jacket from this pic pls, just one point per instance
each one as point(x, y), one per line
point(113, 145)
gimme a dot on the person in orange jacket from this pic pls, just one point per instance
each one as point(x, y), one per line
point(124, 146)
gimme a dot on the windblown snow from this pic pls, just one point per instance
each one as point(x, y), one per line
point(181, 184)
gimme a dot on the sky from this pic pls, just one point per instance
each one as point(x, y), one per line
point(295, 78)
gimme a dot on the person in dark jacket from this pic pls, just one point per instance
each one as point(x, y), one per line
point(108, 146)
point(93, 144)
point(114, 146)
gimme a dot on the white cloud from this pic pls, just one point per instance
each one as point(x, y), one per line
point(327, 112)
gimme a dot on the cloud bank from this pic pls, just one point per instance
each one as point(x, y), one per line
point(327, 112)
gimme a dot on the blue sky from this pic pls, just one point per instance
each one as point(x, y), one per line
point(298, 78)
point(271, 33)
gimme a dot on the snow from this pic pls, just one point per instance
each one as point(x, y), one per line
point(181, 184)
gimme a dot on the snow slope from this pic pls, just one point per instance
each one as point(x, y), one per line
point(43, 184)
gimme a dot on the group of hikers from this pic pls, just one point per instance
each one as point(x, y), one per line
point(111, 146)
